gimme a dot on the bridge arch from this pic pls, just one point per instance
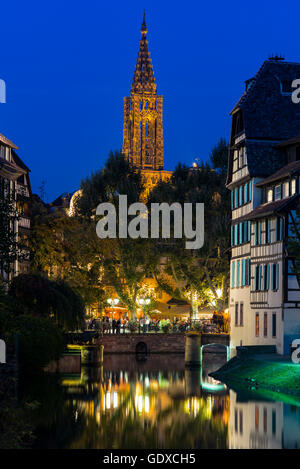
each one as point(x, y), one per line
point(141, 348)
point(213, 344)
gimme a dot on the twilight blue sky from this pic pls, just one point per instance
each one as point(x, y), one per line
point(68, 65)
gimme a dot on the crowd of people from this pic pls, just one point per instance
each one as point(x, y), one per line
point(109, 325)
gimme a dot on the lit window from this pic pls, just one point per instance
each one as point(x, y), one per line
point(257, 324)
point(270, 195)
point(293, 187)
point(286, 190)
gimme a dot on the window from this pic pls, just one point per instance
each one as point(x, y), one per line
point(236, 314)
point(2, 151)
point(232, 200)
point(265, 324)
point(241, 422)
point(274, 422)
point(243, 281)
point(266, 277)
point(265, 420)
point(250, 190)
point(237, 273)
point(257, 278)
point(293, 186)
point(257, 324)
point(236, 234)
point(257, 232)
point(241, 195)
point(241, 314)
point(275, 276)
point(235, 420)
point(270, 195)
point(285, 190)
point(246, 193)
point(279, 230)
point(236, 197)
point(274, 331)
point(277, 192)
point(232, 274)
point(268, 231)
point(247, 272)
point(256, 417)
point(246, 232)
point(241, 233)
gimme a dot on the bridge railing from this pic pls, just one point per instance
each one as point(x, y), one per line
point(206, 326)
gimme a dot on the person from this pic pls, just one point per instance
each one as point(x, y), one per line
point(118, 326)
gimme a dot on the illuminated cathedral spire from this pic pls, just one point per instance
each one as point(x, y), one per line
point(143, 125)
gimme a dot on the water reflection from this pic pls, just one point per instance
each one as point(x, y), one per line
point(263, 424)
point(157, 404)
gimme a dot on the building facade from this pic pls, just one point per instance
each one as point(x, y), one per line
point(15, 182)
point(263, 177)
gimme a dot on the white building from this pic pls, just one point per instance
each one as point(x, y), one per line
point(263, 177)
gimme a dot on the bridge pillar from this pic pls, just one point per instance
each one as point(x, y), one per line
point(192, 349)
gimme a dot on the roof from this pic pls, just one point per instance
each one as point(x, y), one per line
point(263, 158)
point(289, 142)
point(7, 142)
point(19, 162)
point(285, 171)
point(269, 208)
point(143, 78)
point(268, 112)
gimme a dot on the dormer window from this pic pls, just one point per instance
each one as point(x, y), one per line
point(2, 152)
point(277, 192)
point(270, 195)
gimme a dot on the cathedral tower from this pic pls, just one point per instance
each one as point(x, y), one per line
point(143, 123)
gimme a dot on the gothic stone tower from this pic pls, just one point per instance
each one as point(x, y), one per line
point(143, 123)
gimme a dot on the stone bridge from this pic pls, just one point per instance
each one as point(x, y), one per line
point(154, 343)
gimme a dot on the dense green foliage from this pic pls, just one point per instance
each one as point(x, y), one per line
point(198, 274)
point(38, 296)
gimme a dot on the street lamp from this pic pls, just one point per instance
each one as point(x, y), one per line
point(144, 301)
point(113, 302)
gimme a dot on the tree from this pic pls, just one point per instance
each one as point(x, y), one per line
point(200, 275)
point(40, 297)
point(67, 248)
point(127, 262)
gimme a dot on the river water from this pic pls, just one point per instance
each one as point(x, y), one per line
point(157, 403)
